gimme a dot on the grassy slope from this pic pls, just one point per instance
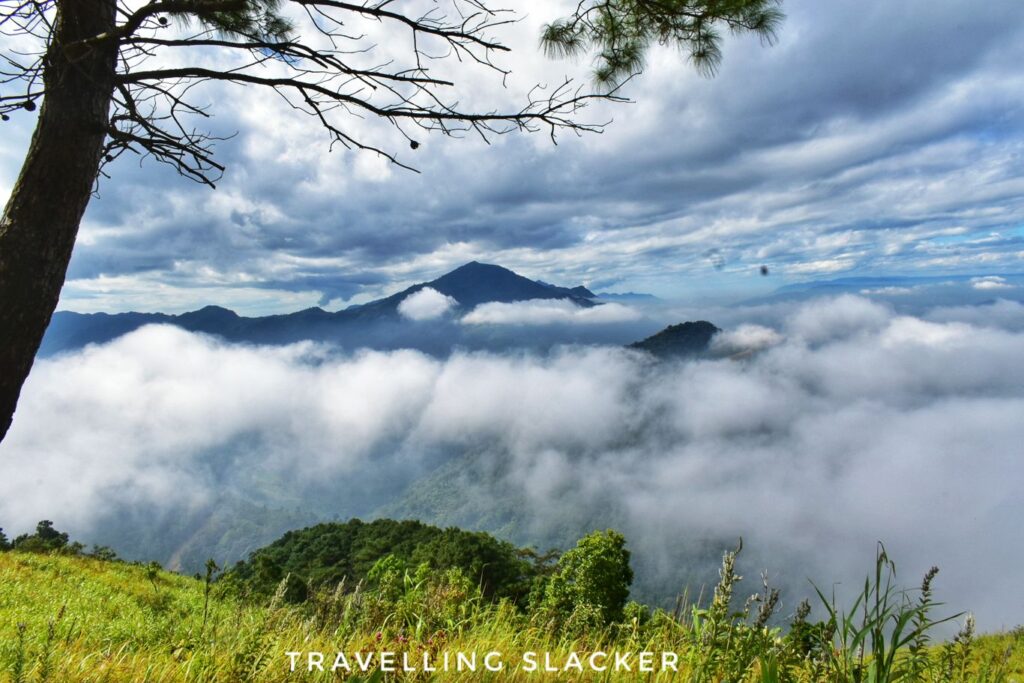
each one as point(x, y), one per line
point(79, 619)
point(88, 620)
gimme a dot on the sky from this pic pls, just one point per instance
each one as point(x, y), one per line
point(873, 139)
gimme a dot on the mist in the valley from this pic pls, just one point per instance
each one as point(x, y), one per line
point(818, 429)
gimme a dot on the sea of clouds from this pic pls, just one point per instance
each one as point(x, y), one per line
point(815, 432)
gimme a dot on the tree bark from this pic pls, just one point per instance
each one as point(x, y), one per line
point(40, 221)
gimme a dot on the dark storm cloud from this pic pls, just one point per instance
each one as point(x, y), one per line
point(854, 144)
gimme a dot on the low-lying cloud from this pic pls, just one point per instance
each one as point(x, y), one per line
point(745, 338)
point(853, 424)
point(426, 304)
point(990, 282)
point(548, 312)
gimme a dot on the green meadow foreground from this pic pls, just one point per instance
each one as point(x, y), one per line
point(71, 617)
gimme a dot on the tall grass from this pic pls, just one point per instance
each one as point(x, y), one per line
point(81, 619)
point(882, 637)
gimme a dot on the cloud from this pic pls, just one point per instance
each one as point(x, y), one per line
point(826, 319)
point(745, 338)
point(806, 164)
point(426, 304)
point(857, 424)
point(1001, 314)
point(548, 312)
point(990, 282)
point(887, 291)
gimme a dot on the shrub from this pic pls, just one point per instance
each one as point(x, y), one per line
point(47, 539)
point(590, 583)
point(325, 555)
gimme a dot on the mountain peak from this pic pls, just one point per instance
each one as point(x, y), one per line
point(476, 283)
point(478, 268)
point(583, 291)
point(684, 339)
point(208, 314)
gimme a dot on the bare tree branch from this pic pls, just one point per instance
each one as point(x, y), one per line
point(328, 73)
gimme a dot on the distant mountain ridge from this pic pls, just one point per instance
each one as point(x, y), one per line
point(478, 283)
point(626, 296)
point(470, 285)
point(926, 290)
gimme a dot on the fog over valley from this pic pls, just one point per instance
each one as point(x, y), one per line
point(811, 428)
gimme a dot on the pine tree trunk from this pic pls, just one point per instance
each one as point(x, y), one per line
point(40, 221)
